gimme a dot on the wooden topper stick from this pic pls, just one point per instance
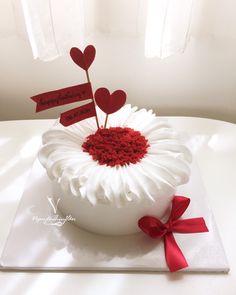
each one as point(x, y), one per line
point(88, 79)
point(105, 124)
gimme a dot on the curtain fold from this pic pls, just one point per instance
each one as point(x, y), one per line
point(167, 28)
point(54, 26)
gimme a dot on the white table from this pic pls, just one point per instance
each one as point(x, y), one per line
point(19, 142)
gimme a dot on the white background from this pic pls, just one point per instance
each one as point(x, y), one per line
point(200, 82)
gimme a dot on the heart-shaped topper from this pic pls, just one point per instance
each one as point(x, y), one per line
point(110, 103)
point(83, 59)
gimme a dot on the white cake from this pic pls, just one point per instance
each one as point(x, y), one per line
point(108, 199)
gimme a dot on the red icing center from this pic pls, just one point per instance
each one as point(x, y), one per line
point(116, 146)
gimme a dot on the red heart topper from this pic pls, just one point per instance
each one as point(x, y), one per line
point(83, 59)
point(110, 103)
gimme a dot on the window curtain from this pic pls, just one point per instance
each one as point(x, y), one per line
point(168, 27)
point(54, 26)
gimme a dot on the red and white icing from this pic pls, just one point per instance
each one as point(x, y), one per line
point(116, 146)
point(101, 183)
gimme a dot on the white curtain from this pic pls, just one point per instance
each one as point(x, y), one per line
point(167, 29)
point(54, 26)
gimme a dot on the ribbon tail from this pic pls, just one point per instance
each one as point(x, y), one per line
point(190, 225)
point(174, 256)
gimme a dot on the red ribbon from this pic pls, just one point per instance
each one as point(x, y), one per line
point(153, 227)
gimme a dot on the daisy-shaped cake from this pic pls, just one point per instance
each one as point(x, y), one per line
point(108, 178)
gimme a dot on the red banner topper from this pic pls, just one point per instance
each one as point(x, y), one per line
point(63, 96)
point(78, 114)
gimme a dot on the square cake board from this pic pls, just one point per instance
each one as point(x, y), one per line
point(34, 245)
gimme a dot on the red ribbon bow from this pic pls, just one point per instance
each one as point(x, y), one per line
point(153, 227)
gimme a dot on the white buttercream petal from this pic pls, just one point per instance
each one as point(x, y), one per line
point(46, 152)
point(106, 180)
point(131, 186)
point(95, 187)
point(156, 124)
point(145, 185)
point(169, 147)
point(119, 118)
point(175, 171)
point(159, 174)
point(84, 127)
point(161, 134)
point(63, 136)
point(140, 119)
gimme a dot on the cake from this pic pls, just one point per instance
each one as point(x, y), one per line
point(108, 178)
point(114, 169)
point(109, 163)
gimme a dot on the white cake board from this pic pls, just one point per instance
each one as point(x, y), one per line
point(36, 246)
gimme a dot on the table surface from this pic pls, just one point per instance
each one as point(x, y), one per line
point(215, 143)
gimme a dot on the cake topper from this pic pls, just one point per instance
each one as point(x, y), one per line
point(83, 59)
point(108, 103)
point(62, 96)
